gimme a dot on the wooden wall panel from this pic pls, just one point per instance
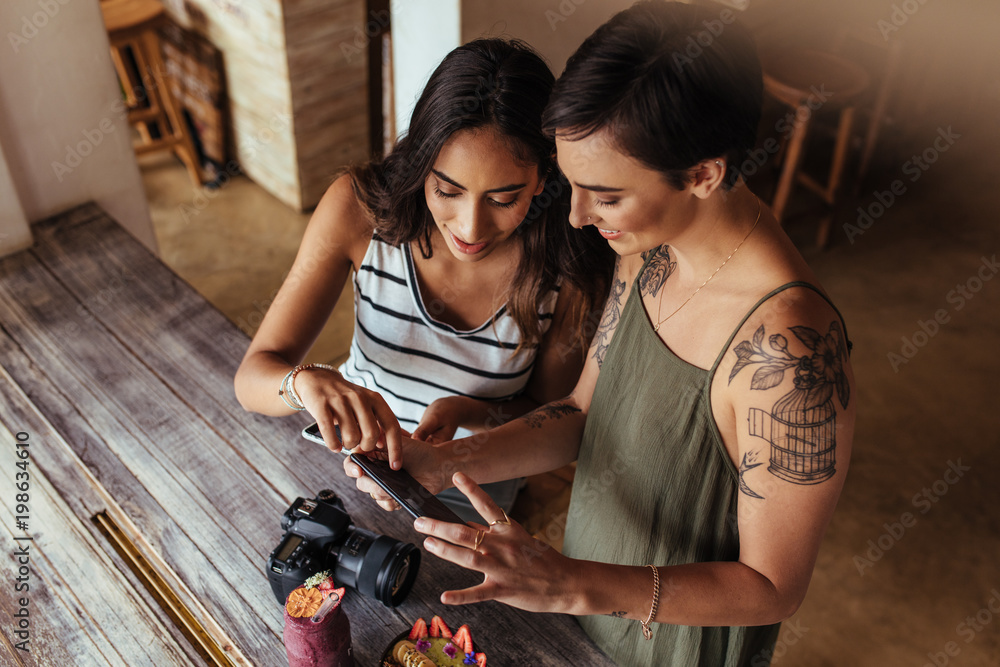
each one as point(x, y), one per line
point(298, 104)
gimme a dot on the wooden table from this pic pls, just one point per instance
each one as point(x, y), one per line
point(118, 375)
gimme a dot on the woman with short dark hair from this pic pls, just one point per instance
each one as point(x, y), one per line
point(713, 423)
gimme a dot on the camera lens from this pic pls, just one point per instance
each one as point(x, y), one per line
point(377, 566)
point(404, 571)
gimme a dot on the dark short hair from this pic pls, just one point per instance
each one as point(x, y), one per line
point(674, 84)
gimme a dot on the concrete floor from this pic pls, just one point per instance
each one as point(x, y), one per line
point(908, 572)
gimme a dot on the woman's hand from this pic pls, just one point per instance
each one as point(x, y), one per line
point(519, 570)
point(423, 461)
point(364, 418)
point(443, 417)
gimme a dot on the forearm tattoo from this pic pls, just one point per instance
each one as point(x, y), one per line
point(802, 425)
point(657, 271)
point(612, 313)
point(536, 418)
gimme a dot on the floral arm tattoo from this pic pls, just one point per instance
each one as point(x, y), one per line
point(556, 410)
point(612, 313)
point(802, 425)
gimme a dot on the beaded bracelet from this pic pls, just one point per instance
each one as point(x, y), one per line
point(290, 400)
point(299, 369)
point(287, 390)
point(646, 632)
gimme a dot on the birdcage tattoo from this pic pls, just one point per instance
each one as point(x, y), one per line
point(802, 425)
point(802, 437)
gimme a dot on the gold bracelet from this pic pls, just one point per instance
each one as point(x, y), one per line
point(646, 632)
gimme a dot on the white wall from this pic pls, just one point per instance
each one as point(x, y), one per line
point(62, 124)
point(423, 32)
point(555, 28)
point(14, 232)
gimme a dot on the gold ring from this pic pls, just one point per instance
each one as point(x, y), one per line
point(505, 521)
point(480, 534)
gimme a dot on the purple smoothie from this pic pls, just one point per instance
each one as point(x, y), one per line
point(323, 644)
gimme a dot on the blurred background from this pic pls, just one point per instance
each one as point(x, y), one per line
point(878, 146)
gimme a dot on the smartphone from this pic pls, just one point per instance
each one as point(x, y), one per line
point(408, 492)
point(311, 432)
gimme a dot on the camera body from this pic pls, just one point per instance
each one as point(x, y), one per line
point(319, 536)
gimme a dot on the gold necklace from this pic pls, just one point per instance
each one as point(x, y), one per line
point(659, 303)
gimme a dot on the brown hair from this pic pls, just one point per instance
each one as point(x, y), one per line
point(504, 85)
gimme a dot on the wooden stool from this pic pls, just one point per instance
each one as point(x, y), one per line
point(131, 26)
point(851, 41)
point(806, 81)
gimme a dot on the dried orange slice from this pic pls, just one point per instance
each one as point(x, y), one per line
point(303, 602)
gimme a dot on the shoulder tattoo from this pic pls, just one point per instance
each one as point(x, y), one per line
point(801, 426)
point(657, 271)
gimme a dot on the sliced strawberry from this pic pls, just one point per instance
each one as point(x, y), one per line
point(463, 639)
point(339, 592)
point(439, 628)
point(481, 659)
point(419, 630)
point(326, 584)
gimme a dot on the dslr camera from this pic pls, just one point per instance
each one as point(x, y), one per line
point(319, 536)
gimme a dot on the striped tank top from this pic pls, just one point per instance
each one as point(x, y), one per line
point(412, 359)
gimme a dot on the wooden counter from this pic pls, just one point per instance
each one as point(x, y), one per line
point(118, 375)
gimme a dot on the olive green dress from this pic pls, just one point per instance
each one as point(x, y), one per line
point(654, 484)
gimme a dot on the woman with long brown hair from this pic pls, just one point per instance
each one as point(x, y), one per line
point(472, 293)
